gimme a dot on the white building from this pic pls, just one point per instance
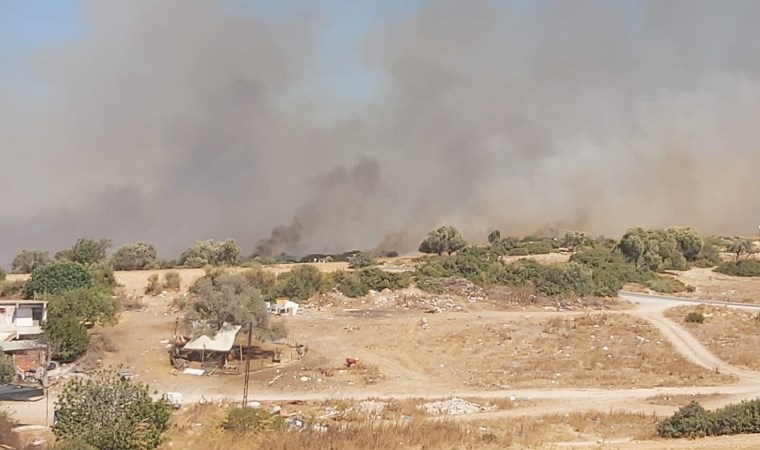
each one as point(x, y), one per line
point(21, 318)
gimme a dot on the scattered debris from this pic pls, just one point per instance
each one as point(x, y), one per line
point(453, 407)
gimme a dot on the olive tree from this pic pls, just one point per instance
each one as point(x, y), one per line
point(28, 260)
point(210, 252)
point(444, 239)
point(110, 413)
point(138, 256)
point(740, 246)
point(231, 298)
point(88, 304)
point(89, 251)
point(66, 336)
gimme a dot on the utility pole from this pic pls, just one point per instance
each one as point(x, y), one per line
point(247, 365)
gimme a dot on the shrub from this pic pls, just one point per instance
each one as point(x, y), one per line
point(695, 317)
point(361, 260)
point(445, 239)
point(220, 297)
point(518, 251)
point(244, 420)
point(538, 247)
point(29, 260)
point(139, 256)
point(691, 421)
point(431, 285)
point(7, 368)
point(89, 305)
point(2, 275)
point(110, 413)
point(9, 289)
point(665, 285)
point(741, 268)
point(172, 280)
point(56, 278)
point(72, 444)
point(301, 282)
point(154, 286)
point(103, 276)
point(66, 336)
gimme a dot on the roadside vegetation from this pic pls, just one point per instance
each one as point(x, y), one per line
point(693, 421)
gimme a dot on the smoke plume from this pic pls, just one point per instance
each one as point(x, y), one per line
point(181, 120)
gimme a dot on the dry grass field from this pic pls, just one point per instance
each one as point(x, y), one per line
point(732, 335)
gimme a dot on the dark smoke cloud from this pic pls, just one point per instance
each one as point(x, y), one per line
point(181, 120)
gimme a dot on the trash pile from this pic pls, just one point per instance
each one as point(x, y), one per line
point(453, 407)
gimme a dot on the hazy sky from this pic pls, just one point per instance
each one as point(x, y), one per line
point(353, 124)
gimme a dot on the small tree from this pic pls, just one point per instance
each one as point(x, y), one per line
point(444, 239)
point(740, 246)
point(88, 304)
point(89, 251)
point(56, 278)
point(302, 282)
point(210, 252)
point(110, 413)
point(139, 256)
point(66, 336)
point(222, 297)
point(575, 239)
point(29, 260)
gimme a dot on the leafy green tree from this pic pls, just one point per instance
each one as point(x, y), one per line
point(633, 244)
point(56, 278)
point(138, 256)
point(302, 282)
point(575, 239)
point(231, 298)
point(740, 246)
point(444, 239)
point(110, 413)
point(66, 336)
point(89, 251)
point(88, 304)
point(688, 242)
point(28, 260)
point(494, 237)
point(361, 260)
point(7, 368)
point(691, 421)
point(210, 252)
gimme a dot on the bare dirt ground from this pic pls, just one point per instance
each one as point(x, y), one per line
point(731, 334)
point(716, 286)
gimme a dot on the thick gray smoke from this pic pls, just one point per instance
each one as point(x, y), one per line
point(181, 120)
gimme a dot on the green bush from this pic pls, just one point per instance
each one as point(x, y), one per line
point(154, 285)
point(695, 317)
point(542, 247)
point(361, 260)
point(431, 285)
point(89, 251)
point(215, 253)
point(2, 275)
point(518, 251)
point(245, 420)
point(741, 268)
point(90, 305)
point(72, 444)
point(56, 278)
point(302, 282)
point(665, 285)
point(110, 413)
point(693, 421)
point(66, 336)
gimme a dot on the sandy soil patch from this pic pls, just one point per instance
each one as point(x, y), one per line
point(732, 335)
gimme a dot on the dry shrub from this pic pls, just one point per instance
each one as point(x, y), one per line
point(172, 280)
point(132, 303)
point(100, 343)
point(153, 287)
point(11, 289)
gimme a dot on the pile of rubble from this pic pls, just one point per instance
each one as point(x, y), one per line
point(412, 298)
point(370, 408)
point(464, 288)
point(453, 407)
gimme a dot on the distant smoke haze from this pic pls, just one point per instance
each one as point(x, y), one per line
point(182, 120)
